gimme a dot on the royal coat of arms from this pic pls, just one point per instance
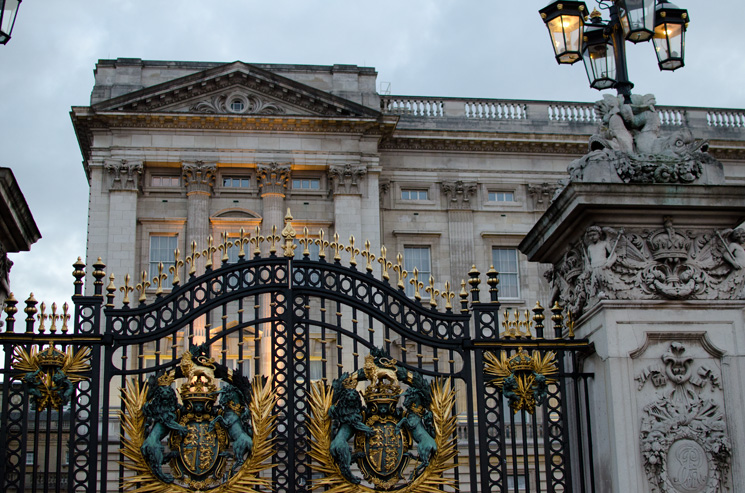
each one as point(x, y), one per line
point(395, 448)
point(218, 438)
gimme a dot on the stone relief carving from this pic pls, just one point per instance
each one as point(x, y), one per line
point(346, 178)
point(684, 440)
point(459, 193)
point(238, 103)
point(199, 176)
point(541, 194)
point(628, 148)
point(273, 177)
point(663, 263)
point(125, 174)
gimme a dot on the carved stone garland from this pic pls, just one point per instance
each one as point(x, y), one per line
point(684, 441)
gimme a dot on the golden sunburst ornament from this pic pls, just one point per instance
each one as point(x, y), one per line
point(430, 480)
point(246, 479)
point(522, 378)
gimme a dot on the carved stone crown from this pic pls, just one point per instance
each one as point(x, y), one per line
point(51, 357)
point(572, 265)
point(668, 243)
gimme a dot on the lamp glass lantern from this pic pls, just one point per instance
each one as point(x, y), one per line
point(8, 12)
point(598, 56)
point(637, 19)
point(565, 22)
point(669, 35)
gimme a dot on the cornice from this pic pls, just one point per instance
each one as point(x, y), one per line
point(483, 145)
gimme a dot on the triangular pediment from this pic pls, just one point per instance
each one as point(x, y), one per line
point(236, 89)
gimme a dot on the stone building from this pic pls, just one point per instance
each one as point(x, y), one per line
point(176, 152)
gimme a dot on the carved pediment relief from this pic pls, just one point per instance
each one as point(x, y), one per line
point(236, 88)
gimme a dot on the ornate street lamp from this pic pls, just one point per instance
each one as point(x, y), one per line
point(602, 44)
point(565, 21)
point(8, 12)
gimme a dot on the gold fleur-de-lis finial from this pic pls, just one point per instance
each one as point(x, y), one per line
point(158, 280)
point(54, 318)
point(126, 289)
point(273, 239)
point(353, 252)
point(416, 283)
point(225, 246)
point(322, 243)
point(192, 259)
point(433, 293)
point(305, 241)
point(448, 295)
point(42, 317)
point(336, 247)
point(142, 286)
point(289, 234)
point(256, 241)
point(385, 262)
point(242, 240)
point(65, 317)
point(527, 325)
point(176, 267)
point(399, 269)
point(207, 253)
point(368, 256)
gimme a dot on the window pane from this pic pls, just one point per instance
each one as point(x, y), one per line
point(419, 258)
point(165, 181)
point(501, 197)
point(162, 250)
point(505, 262)
point(410, 194)
point(306, 184)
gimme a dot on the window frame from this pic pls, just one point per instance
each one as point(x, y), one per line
point(236, 177)
point(310, 181)
point(505, 272)
point(163, 176)
point(409, 289)
point(496, 194)
point(152, 269)
point(411, 190)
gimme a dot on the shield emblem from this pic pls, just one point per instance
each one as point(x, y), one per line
point(199, 450)
point(383, 453)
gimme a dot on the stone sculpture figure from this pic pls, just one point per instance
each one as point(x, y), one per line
point(733, 251)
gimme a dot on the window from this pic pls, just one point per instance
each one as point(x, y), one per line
point(501, 197)
point(407, 194)
point(236, 181)
point(313, 248)
point(162, 250)
point(236, 105)
point(419, 258)
point(306, 184)
point(165, 181)
point(505, 262)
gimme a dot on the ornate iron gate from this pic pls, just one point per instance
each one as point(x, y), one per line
point(520, 421)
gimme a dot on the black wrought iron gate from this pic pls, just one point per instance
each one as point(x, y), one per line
point(299, 321)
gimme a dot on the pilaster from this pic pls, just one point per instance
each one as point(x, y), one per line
point(458, 195)
point(346, 185)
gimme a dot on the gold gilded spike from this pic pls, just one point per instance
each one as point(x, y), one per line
point(433, 293)
point(368, 256)
point(305, 241)
point(417, 285)
point(177, 264)
point(53, 318)
point(336, 246)
point(538, 318)
point(399, 269)
point(273, 239)
point(289, 234)
point(557, 318)
point(126, 289)
point(322, 244)
point(463, 294)
point(384, 262)
point(242, 240)
point(570, 324)
point(66, 316)
point(448, 295)
point(207, 253)
point(527, 324)
point(225, 246)
point(142, 287)
point(42, 317)
point(192, 259)
point(353, 252)
point(158, 280)
point(256, 241)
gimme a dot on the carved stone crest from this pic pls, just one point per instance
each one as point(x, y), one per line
point(663, 263)
point(683, 434)
point(125, 175)
point(459, 194)
point(383, 432)
point(346, 178)
point(204, 436)
point(273, 177)
point(239, 103)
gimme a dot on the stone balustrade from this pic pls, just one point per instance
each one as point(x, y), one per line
point(558, 115)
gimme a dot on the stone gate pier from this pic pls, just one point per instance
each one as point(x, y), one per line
point(648, 256)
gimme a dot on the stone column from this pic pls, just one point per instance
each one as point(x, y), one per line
point(460, 227)
point(123, 181)
point(199, 179)
point(273, 179)
point(347, 189)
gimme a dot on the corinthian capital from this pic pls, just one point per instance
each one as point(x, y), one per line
point(346, 178)
point(125, 174)
point(459, 194)
point(273, 178)
point(198, 176)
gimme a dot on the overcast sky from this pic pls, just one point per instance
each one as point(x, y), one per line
point(464, 48)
